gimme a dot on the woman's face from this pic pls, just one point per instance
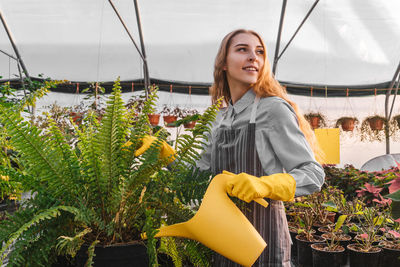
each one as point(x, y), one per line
point(244, 60)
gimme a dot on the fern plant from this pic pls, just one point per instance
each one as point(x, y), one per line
point(98, 192)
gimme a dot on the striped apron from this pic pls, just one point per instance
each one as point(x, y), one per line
point(234, 150)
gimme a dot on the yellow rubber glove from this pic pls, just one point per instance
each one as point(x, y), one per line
point(166, 152)
point(279, 186)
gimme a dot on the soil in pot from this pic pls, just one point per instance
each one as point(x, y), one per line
point(390, 255)
point(304, 249)
point(124, 255)
point(322, 257)
point(359, 258)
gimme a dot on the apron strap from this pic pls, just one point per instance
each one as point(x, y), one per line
point(254, 110)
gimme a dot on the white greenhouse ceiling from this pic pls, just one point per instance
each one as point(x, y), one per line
point(343, 42)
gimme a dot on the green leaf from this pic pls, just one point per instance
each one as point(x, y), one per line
point(394, 196)
point(340, 222)
point(330, 206)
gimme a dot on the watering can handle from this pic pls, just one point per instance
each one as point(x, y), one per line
point(262, 202)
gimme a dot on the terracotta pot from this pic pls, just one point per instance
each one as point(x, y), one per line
point(154, 119)
point(314, 122)
point(169, 119)
point(376, 123)
point(76, 117)
point(348, 124)
point(190, 124)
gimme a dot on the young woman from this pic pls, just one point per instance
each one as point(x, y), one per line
point(262, 140)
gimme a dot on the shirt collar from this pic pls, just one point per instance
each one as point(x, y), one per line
point(243, 102)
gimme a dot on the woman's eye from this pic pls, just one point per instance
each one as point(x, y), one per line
point(241, 49)
point(261, 52)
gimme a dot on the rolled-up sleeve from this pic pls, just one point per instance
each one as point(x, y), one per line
point(290, 149)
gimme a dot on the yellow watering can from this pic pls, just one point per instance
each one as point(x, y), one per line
point(220, 225)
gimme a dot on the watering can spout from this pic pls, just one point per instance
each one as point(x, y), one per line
point(220, 225)
point(179, 230)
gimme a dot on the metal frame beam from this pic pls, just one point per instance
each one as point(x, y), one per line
point(388, 114)
point(19, 58)
point(278, 39)
point(145, 66)
point(141, 51)
point(277, 57)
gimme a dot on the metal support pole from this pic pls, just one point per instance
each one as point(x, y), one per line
point(298, 28)
point(145, 66)
point(278, 41)
point(126, 29)
point(20, 61)
point(387, 114)
point(10, 56)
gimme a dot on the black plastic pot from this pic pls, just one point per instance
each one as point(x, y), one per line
point(293, 251)
point(344, 244)
point(321, 258)
point(365, 259)
point(304, 249)
point(390, 257)
point(125, 255)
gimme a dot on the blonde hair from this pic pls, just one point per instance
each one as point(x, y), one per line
point(266, 85)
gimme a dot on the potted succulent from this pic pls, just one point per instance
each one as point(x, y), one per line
point(316, 119)
point(347, 123)
point(97, 197)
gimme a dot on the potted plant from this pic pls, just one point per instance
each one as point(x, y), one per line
point(170, 115)
point(347, 123)
point(316, 119)
point(98, 197)
point(364, 253)
point(306, 237)
point(396, 120)
point(189, 117)
point(373, 128)
point(332, 253)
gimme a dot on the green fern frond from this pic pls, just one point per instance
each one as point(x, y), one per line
point(45, 215)
point(70, 245)
point(169, 247)
point(91, 254)
point(40, 153)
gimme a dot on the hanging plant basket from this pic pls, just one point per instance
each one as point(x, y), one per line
point(347, 123)
point(76, 117)
point(373, 129)
point(376, 123)
point(169, 119)
point(316, 120)
point(190, 125)
point(154, 119)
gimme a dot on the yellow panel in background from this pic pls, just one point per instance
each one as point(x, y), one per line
point(329, 142)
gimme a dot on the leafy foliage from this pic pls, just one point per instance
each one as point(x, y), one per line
point(110, 195)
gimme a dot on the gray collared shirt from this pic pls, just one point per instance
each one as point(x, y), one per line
point(280, 144)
